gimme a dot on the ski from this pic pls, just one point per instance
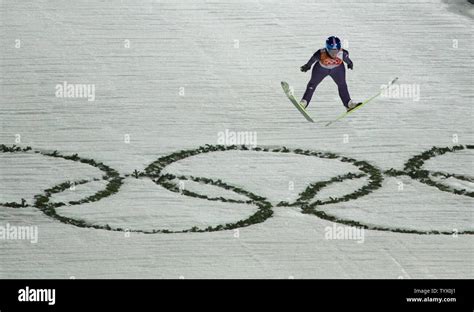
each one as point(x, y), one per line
point(289, 94)
point(363, 103)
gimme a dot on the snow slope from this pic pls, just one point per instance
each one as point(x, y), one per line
point(196, 68)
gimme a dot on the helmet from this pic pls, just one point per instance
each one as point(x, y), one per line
point(333, 43)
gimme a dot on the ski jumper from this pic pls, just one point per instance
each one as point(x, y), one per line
point(334, 67)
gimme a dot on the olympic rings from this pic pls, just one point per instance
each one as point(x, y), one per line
point(154, 171)
point(114, 181)
point(413, 168)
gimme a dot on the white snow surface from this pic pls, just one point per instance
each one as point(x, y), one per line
point(196, 68)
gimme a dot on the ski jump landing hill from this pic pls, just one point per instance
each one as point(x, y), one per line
point(149, 177)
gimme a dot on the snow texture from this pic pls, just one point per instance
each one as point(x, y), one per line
point(173, 75)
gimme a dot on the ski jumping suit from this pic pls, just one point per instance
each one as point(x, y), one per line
point(333, 67)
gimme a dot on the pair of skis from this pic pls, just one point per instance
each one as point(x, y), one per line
point(289, 93)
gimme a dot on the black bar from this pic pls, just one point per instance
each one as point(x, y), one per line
point(158, 295)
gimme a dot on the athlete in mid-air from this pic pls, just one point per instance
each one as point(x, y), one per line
point(329, 61)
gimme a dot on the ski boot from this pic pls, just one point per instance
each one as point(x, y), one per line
point(303, 103)
point(351, 105)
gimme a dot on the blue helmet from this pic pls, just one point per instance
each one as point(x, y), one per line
point(333, 43)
